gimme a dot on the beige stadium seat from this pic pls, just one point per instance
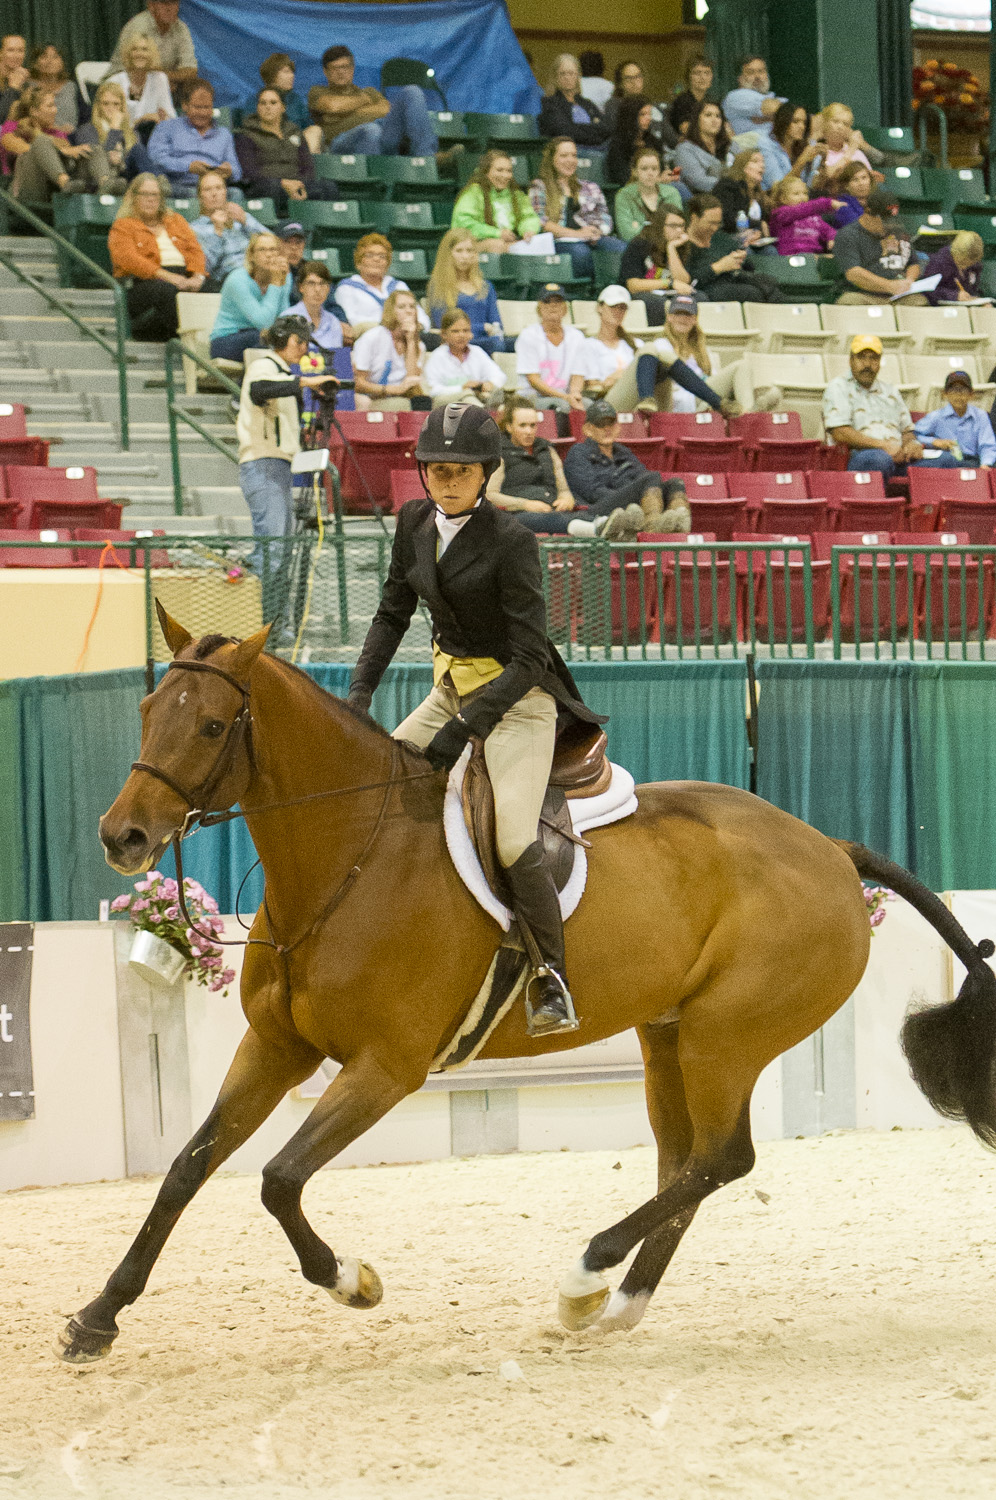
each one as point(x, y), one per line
point(515, 316)
point(791, 326)
point(930, 372)
point(196, 314)
point(941, 330)
point(880, 320)
point(891, 371)
point(509, 364)
point(584, 315)
point(723, 324)
point(797, 374)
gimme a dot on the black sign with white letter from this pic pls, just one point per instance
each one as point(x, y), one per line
point(17, 1089)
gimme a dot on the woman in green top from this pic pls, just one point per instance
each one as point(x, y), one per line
point(643, 195)
point(493, 210)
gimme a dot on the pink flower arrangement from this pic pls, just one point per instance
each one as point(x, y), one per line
point(875, 898)
point(155, 909)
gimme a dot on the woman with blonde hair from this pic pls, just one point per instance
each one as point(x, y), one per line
point(959, 266)
point(388, 358)
point(146, 86)
point(252, 297)
point(155, 252)
point(40, 154)
point(492, 208)
point(456, 281)
point(110, 129)
point(841, 142)
point(573, 210)
point(564, 111)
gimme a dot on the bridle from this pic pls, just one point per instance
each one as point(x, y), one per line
point(197, 799)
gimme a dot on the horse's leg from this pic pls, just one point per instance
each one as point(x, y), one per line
point(259, 1077)
point(356, 1098)
point(717, 1088)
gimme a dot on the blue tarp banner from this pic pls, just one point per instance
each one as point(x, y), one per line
point(470, 43)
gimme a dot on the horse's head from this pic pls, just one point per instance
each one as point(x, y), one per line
point(196, 746)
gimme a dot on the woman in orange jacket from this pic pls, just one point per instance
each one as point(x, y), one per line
point(156, 254)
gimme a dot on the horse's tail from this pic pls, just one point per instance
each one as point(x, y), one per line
point(951, 1049)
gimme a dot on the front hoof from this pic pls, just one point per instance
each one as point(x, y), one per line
point(623, 1312)
point(357, 1284)
point(583, 1295)
point(78, 1345)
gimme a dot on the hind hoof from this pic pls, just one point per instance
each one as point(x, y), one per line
point(78, 1345)
point(583, 1295)
point(357, 1284)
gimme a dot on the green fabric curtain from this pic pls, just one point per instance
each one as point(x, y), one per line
point(952, 710)
point(733, 29)
point(83, 30)
point(895, 62)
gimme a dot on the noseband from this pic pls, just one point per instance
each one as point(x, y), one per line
point(239, 733)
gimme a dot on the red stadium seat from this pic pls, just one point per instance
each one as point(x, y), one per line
point(410, 423)
point(90, 556)
point(377, 450)
point(406, 484)
point(362, 424)
point(780, 517)
point(782, 454)
point(16, 445)
point(44, 514)
point(13, 423)
point(938, 484)
point(787, 593)
point(882, 586)
point(713, 455)
point(653, 452)
point(837, 484)
point(939, 576)
point(675, 425)
point(720, 518)
point(975, 518)
point(46, 495)
point(698, 594)
point(703, 486)
point(754, 425)
point(59, 556)
point(9, 512)
point(756, 487)
point(876, 513)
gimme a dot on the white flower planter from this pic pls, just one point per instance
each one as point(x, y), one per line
point(155, 959)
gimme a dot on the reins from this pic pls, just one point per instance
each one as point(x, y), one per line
point(240, 730)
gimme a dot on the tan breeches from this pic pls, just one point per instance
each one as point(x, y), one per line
point(518, 752)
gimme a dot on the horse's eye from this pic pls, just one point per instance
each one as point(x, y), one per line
point(213, 728)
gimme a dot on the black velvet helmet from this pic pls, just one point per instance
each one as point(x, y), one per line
point(457, 434)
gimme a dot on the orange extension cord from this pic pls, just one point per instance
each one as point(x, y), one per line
point(108, 552)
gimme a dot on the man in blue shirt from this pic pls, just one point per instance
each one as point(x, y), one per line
point(751, 105)
point(963, 429)
point(187, 147)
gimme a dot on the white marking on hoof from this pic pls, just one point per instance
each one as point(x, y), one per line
point(357, 1284)
point(623, 1311)
point(583, 1295)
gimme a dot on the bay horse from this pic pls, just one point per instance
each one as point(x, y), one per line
point(721, 928)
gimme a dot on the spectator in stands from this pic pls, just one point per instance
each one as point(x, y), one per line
point(870, 417)
point(786, 150)
point(278, 72)
point(875, 256)
point(629, 85)
point(632, 129)
point(47, 67)
point(841, 142)
point(458, 370)
point(156, 253)
point(601, 471)
point(721, 269)
point(959, 266)
point(223, 229)
point(651, 265)
point(388, 358)
point(493, 208)
point(13, 73)
point(362, 121)
point(185, 148)
point(456, 281)
point(253, 296)
point(160, 23)
point(268, 426)
point(573, 210)
point(564, 112)
point(315, 284)
point(551, 358)
point(852, 186)
point(739, 194)
point(110, 130)
point(275, 159)
point(798, 222)
point(751, 106)
point(294, 240)
point(530, 483)
point(594, 85)
point(363, 297)
point(679, 371)
point(611, 350)
point(962, 429)
point(700, 156)
point(146, 86)
point(41, 156)
point(698, 82)
point(646, 191)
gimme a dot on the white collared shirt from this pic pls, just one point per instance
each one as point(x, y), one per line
point(448, 526)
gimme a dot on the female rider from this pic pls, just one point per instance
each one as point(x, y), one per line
point(496, 673)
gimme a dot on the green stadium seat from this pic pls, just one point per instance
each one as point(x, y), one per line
point(352, 172)
point(801, 277)
point(84, 220)
point(501, 130)
point(333, 225)
point(895, 138)
point(529, 272)
point(927, 221)
point(263, 209)
point(222, 116)
point(607, 264)
point(411, 266)
point(407, 225)
point(411, 179)
point(905, 182)
point(329, 258)
point(954, 185)
point(449, 125)
point(402, 72)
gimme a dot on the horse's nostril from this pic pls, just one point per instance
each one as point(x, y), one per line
point(127, 839)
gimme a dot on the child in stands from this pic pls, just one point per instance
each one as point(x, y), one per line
point(797, 220)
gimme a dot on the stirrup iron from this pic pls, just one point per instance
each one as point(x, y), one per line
point(570, 1021)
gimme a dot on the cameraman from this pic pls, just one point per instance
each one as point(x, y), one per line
point(268, 424)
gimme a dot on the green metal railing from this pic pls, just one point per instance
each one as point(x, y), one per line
point(886, 599)
point(176, 351)
point(118, 349)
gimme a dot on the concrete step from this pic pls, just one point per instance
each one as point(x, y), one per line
point(222, 500)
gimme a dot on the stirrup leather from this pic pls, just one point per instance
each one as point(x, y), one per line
point(570, 1022)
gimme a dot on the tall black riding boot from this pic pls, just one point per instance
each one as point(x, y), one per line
point(534, 901)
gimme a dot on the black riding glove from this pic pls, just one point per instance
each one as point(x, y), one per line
point(447, 744)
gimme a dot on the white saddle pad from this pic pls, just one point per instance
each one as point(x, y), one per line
point(617, 801)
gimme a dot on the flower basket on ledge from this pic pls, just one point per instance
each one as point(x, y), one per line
point(164, 948)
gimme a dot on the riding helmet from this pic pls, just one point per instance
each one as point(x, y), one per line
point(458, 434)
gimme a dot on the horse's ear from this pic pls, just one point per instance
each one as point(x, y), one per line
point(174, 633)
point(243, 659)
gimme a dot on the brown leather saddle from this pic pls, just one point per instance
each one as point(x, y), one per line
point(580, 769)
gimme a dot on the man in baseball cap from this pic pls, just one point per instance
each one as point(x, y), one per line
point(551, 357)
point(964, 430)
point(875, 256)
point(601, 470)
point(870, 417)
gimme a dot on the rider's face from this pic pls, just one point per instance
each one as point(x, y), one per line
point(454, 487)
